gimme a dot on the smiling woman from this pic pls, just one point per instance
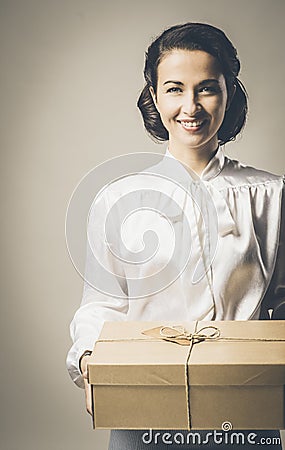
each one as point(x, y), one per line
point(227, 217)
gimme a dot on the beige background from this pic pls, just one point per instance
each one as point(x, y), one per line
point(71, 72)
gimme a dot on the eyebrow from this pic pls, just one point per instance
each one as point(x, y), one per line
point(179, 83)
point(209, 80)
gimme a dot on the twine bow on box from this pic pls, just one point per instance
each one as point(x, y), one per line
point(181, 336)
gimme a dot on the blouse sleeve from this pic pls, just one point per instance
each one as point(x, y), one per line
point(104, 292)
point(275, 295)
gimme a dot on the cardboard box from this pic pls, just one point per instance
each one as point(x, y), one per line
point(139, 382)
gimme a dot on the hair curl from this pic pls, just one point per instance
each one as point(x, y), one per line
point(195, 36)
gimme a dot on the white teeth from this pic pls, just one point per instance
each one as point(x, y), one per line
point(193, 124)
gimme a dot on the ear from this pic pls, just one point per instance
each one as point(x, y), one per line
point(153, 96)
point(231, 96)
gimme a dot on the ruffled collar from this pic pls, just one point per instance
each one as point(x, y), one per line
point(213, 168)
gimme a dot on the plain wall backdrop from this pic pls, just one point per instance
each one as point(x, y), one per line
point(71, 72)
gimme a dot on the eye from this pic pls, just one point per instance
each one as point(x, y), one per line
point(209, 89)
point(174, 89)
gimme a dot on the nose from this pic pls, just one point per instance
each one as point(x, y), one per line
point(190, 104)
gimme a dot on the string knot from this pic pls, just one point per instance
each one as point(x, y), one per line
point(178, 332)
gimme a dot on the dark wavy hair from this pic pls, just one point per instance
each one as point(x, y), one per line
point(195, 36)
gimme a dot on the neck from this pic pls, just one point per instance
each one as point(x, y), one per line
point(195, 159)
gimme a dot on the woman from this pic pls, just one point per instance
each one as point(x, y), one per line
point(194, 100)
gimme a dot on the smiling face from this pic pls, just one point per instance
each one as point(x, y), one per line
point(191, 98)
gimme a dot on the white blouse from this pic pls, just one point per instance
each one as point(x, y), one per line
point(164, 244)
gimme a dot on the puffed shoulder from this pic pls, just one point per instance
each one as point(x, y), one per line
point(238, 174)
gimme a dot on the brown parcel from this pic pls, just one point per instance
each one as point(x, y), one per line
point(139, 382)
